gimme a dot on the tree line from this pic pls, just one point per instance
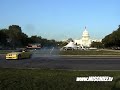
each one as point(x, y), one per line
point(13, 37)
point(112, 40)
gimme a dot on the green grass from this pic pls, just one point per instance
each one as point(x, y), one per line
point(92, 52)
point(36, 79)
point(70, 52)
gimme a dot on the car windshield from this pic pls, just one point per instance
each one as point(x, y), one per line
point(21, 50)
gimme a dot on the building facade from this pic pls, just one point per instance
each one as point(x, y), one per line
point(85, 41)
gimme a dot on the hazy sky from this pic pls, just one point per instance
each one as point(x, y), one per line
point(61, 19)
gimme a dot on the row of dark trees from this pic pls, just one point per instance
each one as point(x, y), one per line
point(109, 41)
point(13, 37)
point(113, 39)
point(97, 45)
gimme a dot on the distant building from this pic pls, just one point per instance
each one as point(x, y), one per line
point(85, 41)
point(97, 40)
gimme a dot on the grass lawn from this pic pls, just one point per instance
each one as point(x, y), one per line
point(90, 52)
point(70, 52)
point(36, 79)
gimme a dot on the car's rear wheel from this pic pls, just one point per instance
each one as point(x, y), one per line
point(19, 57)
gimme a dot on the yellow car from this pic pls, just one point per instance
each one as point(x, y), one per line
point(21, 54)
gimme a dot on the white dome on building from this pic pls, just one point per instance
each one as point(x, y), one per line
point(85, 40)
point(85, 33)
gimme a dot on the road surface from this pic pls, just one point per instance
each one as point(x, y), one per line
point(66, 63)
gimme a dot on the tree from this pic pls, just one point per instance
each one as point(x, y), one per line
point(14, 34)
point(24, 39)
point(61, 43)
point(70, 40)
point(113, 39)
point(14, 37)
point(3, 37)
point(35, 39)
point(97, 44)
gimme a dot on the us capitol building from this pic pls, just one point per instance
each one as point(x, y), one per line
point(85, 41)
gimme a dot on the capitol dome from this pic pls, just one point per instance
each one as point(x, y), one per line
point(85, 33)
point(85, 41)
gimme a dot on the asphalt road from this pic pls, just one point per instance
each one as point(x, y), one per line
point(67, 63)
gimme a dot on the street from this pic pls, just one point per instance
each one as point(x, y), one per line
point(63, 62)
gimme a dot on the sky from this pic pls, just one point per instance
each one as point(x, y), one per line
point(61, 19)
